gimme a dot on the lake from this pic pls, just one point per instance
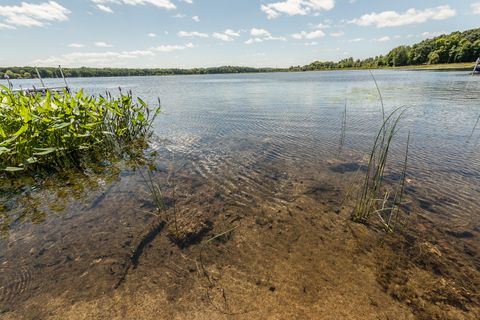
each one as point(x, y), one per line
point(237, 144)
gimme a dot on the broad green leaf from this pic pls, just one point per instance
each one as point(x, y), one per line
point(43, 151)
point(8, 141)
point(21, 130)
point(13, 169)
point(61, 125)
point(4, 150)
point(32, 160)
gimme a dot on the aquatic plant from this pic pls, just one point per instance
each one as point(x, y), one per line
point(157, 194)
point(379, 96)
point(373, 199)
point(184, 228)
point(343, 129)
point(57, 130)
point(211, 281)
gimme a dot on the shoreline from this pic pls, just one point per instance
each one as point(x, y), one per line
point(439, 67)
point(434, 67)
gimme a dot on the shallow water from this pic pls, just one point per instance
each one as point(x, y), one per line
point(297, 117)
point(246, 140)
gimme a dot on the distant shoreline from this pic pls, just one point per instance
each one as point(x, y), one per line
point(439, 67)
point(434, 67)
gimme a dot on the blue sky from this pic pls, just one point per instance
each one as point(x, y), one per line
point(204, 33)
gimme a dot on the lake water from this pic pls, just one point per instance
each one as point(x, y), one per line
point(298, 117)
point(248, 137)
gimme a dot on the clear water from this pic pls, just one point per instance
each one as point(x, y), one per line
point(230, 130)
point(298, 117)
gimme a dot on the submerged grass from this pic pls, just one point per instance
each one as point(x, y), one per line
point(343, 129)
point(56, 130)
point(158, 196)
point(373, 198)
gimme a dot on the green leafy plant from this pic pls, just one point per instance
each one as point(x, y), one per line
point(55, 130)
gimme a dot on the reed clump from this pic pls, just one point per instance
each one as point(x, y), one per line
point(55, 130)
point(375, 199)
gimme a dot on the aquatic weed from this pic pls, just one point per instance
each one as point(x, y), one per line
point(55, 130)
point(373, 199)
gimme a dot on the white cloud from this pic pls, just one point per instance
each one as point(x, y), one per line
point(296, 7)
point(383, 39)
point(171, 48)
point(76, 45)
point(152, 35)
point(313, 43)
point(93, 58)
point(101, 44)
point(231, 33)
point(227, 35)
point(431, 34)
point(164, 4)
point(337, 34)
point(475, 8)
point(322, 26)
point(33, 15)
point(222, 36)
point(184, 34)
point(308, 35)
point(411, 16)
point(260, 35)
point(356, 40)
point(6, 26)
point(253, 40)
point(196, 18)
point(103, 8)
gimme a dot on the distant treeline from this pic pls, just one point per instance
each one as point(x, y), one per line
point(453, 48)
point(49, 72)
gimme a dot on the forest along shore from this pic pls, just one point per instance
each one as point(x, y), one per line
point(457, 50)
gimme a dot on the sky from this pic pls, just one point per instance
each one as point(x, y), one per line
point(206, 33)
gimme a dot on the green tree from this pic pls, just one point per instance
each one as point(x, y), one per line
point(433, 58)
point(11, 74)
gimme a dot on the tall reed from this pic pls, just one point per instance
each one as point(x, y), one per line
point(158, 196)
point(373, 199)
point(343, 129)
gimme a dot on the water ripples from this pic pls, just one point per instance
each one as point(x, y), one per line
point(241, 130)
point(14, 281)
